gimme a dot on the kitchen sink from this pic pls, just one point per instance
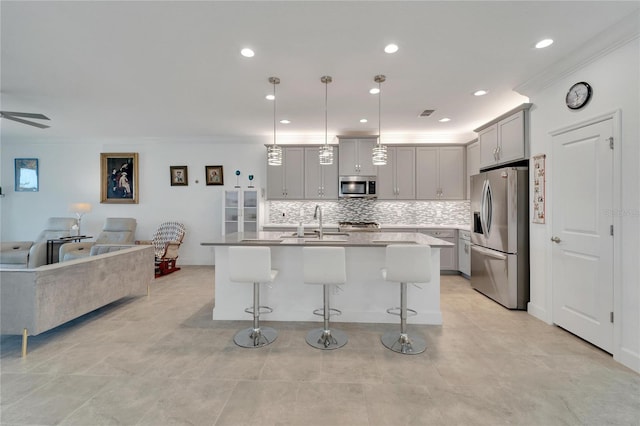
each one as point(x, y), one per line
point(393, 242)
point(316, 234)
point(326, 240)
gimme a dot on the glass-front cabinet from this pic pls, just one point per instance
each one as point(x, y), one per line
point(240, 211)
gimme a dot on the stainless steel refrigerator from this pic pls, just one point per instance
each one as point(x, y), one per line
point(500, 235)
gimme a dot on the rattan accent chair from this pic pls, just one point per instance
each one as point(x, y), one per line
point(166, 241)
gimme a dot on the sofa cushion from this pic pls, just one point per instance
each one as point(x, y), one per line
point(115, 237)
point(107, 248)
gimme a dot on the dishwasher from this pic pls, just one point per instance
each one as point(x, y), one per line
point(464, 253)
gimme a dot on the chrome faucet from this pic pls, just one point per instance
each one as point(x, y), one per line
point(319, 217)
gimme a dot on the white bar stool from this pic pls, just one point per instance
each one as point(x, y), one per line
point(405, 263)
point(253, 264)
point(325, 266)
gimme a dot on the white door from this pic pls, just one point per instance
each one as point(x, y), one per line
point(582, 266)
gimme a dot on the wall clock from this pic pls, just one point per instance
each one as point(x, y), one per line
point(578, 95)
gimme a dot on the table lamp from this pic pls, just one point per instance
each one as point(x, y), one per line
point(80, 209)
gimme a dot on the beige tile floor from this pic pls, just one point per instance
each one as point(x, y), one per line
point(161, 361)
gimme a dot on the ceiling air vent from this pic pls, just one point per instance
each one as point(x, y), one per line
point(427, 112)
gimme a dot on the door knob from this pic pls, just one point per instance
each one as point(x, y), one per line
point(555, 240)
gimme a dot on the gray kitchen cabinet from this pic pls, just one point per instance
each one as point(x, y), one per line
point(286, 182)
point(397, 179)
point(473, 164)
point(448, 255)
point(505, 139)
point(320, 181)
point(440, 173)
point(355, 156)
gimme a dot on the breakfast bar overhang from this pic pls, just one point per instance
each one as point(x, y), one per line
point(365, 297)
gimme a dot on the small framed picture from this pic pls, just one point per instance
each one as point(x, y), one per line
point(119, 178)
point(214, 175)
point(179, 176)
point(26, 175)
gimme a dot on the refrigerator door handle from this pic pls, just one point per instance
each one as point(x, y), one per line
point(489, 253)
point(486, 207)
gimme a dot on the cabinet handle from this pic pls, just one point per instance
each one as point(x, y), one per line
point(466, 248)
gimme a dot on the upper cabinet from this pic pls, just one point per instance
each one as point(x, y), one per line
point(355, 156)
point(440, 174)
point(397, 180)
point(287, 181)
point(506, 138)
point(473, 164)
point(320, 182)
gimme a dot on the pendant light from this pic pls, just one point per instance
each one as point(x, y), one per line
point(274, 152)
point(379, 154)
point(326, 151)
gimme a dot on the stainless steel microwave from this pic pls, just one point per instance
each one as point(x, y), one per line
point(357, 187)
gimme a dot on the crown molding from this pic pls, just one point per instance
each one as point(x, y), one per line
point(609, 40)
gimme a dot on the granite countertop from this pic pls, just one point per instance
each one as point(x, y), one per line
point(352, 239)
point(383, 226)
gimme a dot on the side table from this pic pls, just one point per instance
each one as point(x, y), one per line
point(62, 240)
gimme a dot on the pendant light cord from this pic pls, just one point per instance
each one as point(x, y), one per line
point(326, 91)
point(379, 111)
point(274, 112)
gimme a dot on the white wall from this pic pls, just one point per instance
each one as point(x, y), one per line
point(70, 172)
point(615, 79)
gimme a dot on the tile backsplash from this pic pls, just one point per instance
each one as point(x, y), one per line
point(366, 210)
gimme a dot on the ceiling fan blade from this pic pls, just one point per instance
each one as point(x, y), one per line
point(29, 123)
point(24, 115)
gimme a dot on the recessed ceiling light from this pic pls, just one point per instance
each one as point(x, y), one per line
point(363, 120)
point(247, 53)
point(269, 97)
point(391, 48)
point(544, 43)
point(444, 120)
point(480, 93)
point(285, 121)
point(374, 91)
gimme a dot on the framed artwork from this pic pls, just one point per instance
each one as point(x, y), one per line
point(179, 176)
point(214, 175)
point(119, 178)
point(26, 172)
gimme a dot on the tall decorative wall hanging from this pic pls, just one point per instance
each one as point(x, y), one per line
point(539, 188)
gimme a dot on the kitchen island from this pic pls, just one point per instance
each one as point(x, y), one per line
point(365, 297)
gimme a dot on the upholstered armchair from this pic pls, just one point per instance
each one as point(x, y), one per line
point(28, 254)
point(15, 254)
point(116, 230)
point(166, 241)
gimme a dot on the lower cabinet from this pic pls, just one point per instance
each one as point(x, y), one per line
point(448, 255)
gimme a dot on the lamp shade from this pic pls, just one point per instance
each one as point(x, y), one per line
point(80, 208)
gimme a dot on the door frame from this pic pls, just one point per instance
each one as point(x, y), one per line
point(615, 117)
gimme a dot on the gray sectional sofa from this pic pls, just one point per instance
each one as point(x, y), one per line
point(33, 301)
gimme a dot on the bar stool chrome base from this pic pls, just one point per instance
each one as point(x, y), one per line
point(401, 343)
point(255, 337)
point(320, 338)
